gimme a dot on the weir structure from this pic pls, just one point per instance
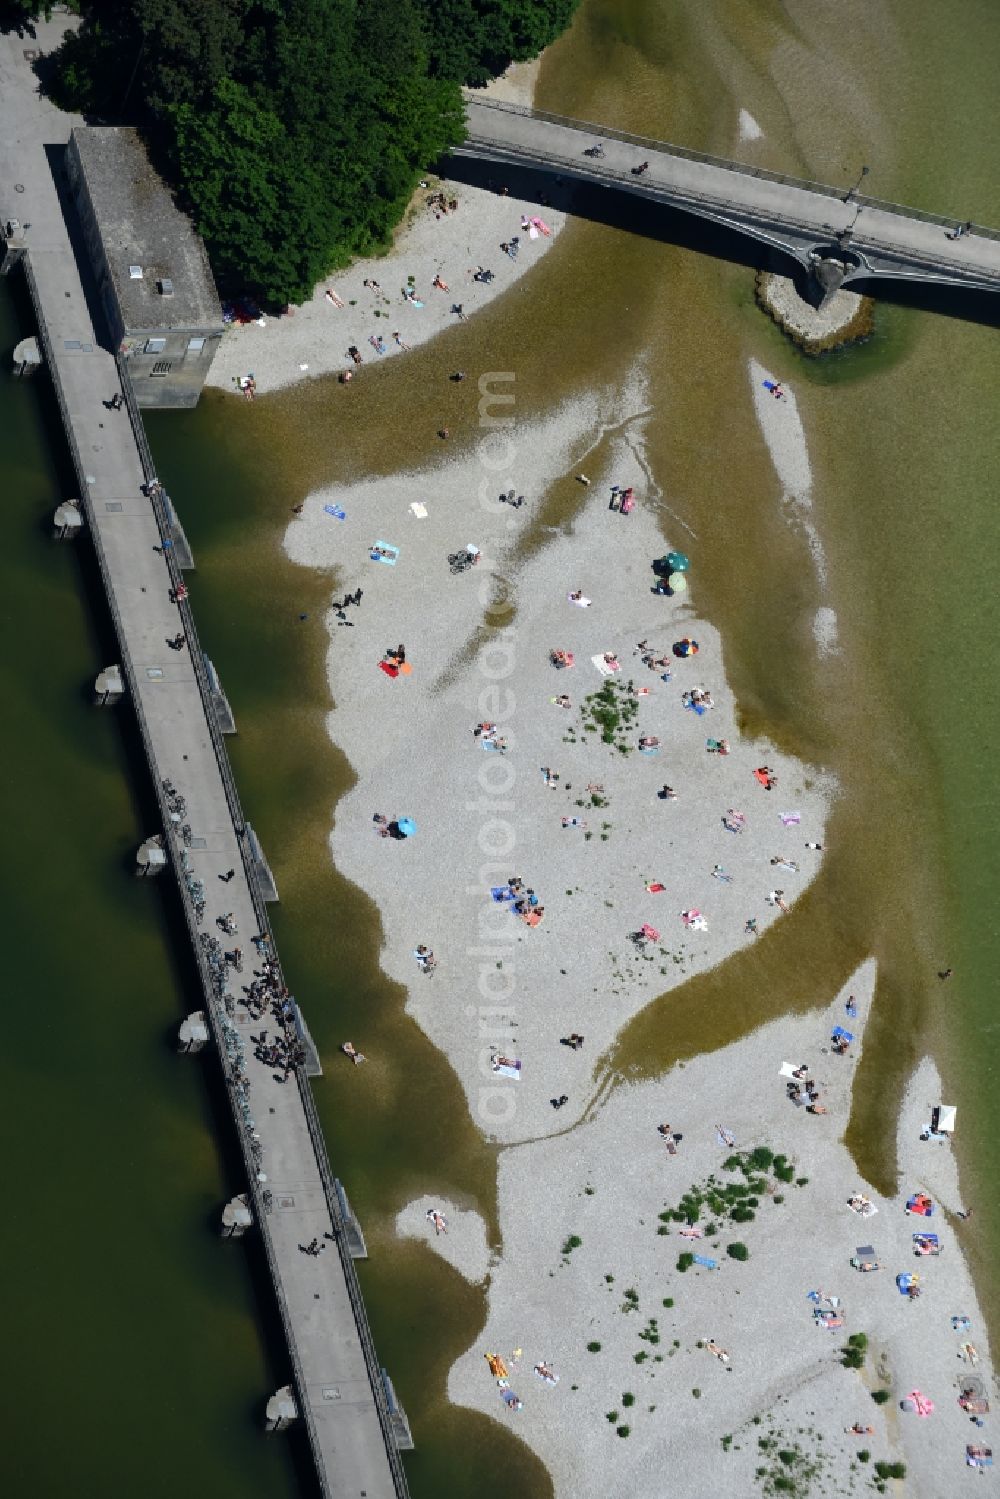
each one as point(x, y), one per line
point(334, 1386)
point(839, 237)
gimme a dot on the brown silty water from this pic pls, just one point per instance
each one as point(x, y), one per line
point(600, 302)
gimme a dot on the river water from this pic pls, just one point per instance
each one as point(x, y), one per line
point(132, 1310)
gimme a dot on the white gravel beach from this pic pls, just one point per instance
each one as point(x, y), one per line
point(692, 869)
point(394, 298)
point(588, 1285)
point(724, 1375)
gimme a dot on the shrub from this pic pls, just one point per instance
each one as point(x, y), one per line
point(628, 1398)
point(668, 1301)
point(573, 1242)
point(696, 1394)
point(787, 1456)
point(802, 1181)
point(743, 1214)
point(685, 1261)
point(761, 1158)
point(782, 1170)
point(611, 1416)
point(864, 1455)
point(737, 1251)
point(593, 1347)
point(623, 1431)
point(890, 1470)
point(880, 1396)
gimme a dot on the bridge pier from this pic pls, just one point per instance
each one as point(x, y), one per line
point(27, 357)
point(236, 1217)
point(151, 858)
point(281, 1410)
point(109, 686)
point(68, 520)
point(193, 1033)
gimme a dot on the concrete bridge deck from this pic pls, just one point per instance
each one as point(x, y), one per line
point(331, 1360)
point(880, 241)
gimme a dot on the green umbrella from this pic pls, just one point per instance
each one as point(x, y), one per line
point(677, 583)
point(677, 562)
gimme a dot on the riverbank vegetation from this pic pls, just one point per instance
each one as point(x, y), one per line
point(294, 132)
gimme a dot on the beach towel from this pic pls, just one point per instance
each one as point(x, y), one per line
point(604, 668)
point(335, 511)
point(701, 1259)
point(580, 603)
point(725, 1137)
point(511, 1400)
point(791, 818)
point(649, 749)
point(384, 546)
point(501, 893)
point(698, 708)
point(547, 1376)
point(506, 1067)
point(541, 225)
point(655, 888)
point(839, 1034)
point(691, 1233)
point(787, 1069)
point(389, 669)
point(420, 511)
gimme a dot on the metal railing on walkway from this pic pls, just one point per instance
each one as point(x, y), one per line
point(264, 927)
point(649, 143)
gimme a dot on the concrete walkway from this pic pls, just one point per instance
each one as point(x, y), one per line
point(335, 1382)
point(790, 215)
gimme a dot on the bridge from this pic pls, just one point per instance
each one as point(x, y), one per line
point(334, 1386)
point(838, 237)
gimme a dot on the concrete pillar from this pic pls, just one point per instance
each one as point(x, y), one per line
point(220, 703)
point(108, 686)
point(281, 1409)
point(265, 878)
point(68, 520)
point(236, 1217)
point(398, 1420)
point(193, 1033)
point(353, 1236)
point(14, 246)
point(27, 357)
point(151, 857)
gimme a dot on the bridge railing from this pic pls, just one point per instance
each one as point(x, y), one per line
point(861, 239)
point(650, 143)
point(313, 1124)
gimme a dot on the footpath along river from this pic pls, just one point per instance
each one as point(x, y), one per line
point(118, 1294)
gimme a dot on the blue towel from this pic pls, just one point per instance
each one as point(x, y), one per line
point(501, 893)
point(336, 512)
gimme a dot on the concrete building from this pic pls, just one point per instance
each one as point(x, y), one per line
point(155, 282)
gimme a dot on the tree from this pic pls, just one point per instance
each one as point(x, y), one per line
point(473, 41)
point(295, 131)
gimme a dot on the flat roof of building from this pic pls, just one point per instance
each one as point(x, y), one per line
point(141, 226)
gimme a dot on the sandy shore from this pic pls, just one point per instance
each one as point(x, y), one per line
point(314, 339)
point(596, 1170)
point(605, 1186)
point(785, 438)
point(482, 816)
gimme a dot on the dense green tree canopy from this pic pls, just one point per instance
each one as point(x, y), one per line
point(294, 130)
point(476, 40)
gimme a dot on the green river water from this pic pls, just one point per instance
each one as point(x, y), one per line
point(150, 1336)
